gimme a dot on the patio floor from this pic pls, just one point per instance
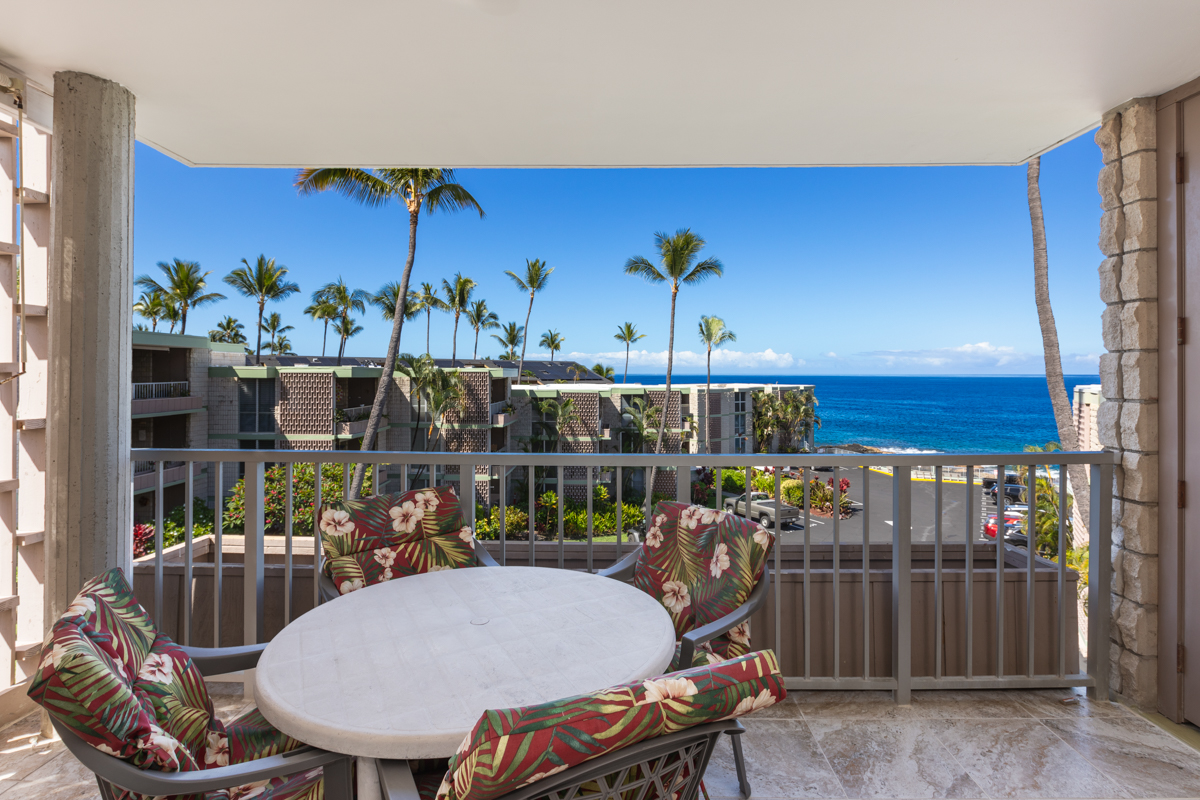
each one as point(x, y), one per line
point(1019, 744)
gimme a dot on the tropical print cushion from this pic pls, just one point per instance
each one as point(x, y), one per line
point(392, 535)
point(515, 747)
point(130, 692)
point(701, 564)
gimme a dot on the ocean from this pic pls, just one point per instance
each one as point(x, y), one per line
point(924, 413)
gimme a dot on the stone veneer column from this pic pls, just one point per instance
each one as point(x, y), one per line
point(1128, 418)
point(89, 504)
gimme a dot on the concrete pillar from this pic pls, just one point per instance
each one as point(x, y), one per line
point(89, 504)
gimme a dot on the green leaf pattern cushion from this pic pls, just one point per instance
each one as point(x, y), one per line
point(514, 747)
point(702, 564)
point(389, 536)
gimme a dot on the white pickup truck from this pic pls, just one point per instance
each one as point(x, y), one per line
point(768, 512)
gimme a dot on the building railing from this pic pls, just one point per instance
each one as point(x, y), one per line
point(159, 391)
point(355, 414)
point(823, 617)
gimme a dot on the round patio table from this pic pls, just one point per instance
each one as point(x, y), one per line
point(403, 669)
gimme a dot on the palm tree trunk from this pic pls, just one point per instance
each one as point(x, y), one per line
point(1054, 376)
point(707, 399)
point(183, 319)
point(454, 342)
point(626, 378)
point(258, 347)
point(662, 414)
point(383, 390)
point(475, 352)
point(525, 341)
point(324, 336)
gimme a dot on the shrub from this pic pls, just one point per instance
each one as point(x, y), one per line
point(487, 526)
point(303, 495)
point(733, 481)
point(793, 492)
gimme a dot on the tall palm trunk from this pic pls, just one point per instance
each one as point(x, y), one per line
point(662, 414)
point(707, 399)
point(383, 391)
point(626, 378)
point(454, 341)
point(525, 341)
point(183, 318)
point(1059, 401)
point(324, 335)
point(428, 319)
point(475, 352)
point(258, 345)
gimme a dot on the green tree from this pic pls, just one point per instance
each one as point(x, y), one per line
point(418, 189)
point(628, 334)
point(678, 265)
point(273, 326)
point(536, 276)
point(479, 318)
point(347, 328)
point(229, 331)
point(345, 300)
point(324, 311)
point(552, 340)
point(561, 413)
point(713, 333)
point(427, 296)
point(511, 337)
point(387, 297)
point(184, 286)
point(283, 346)
point(170, 313)
point(150, 306)
point(604, 372)
point(458, 300)
point(265, 282)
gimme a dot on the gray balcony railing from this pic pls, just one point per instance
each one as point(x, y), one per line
point(954, 610)
point(159, 391)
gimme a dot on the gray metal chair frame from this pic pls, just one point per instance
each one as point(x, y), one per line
point(154, 783)
point(609, 772)
point(623, 571)
point(330, 592)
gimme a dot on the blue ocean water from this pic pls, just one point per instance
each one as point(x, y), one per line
point(946, 414)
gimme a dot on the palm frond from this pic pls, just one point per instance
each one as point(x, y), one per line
point(359, 185)
point(708, 268)
point(451, 197)
point(642, 268)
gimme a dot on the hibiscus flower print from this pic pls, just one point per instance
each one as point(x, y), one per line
point(667, 689)
point(675, 596)
point(216, 753)
point(427, 501)
point(82, 606)
point(248, 790)
point(157, 668)
point(537, 776)
point(711, 515)
point(740, 634)
point(405, 517)
point(385, 556)
point(720, 561)
point(439, 568)
point(336, 521)
point(467, 536)
point(162, 747)
point(54, 656)
point(751, 704)
point(350, 586)
point(761, 537)
point(690, 517)
point(654, 537)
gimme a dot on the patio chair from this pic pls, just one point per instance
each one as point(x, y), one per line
point(133, 707)
point(650, 739)
point(393, 535)
point(709, 570)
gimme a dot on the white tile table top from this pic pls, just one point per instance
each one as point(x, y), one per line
point(403, 669)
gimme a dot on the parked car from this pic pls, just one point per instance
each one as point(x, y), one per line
point(762, 508)
point(1014, 528)
point(1013, 492)
point(1009, 477)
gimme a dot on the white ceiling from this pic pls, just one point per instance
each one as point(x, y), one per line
point(610, 82)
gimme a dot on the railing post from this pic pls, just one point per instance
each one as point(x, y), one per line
point(683, 484)
point(253, 574)
point(466, 494)
point(902, 583)
point(1099, 579)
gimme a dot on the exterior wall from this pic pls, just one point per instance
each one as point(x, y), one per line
point(305, 404)
point(1128, 421)
point(1083, 410)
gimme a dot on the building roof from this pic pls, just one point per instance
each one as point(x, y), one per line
point(775, 83)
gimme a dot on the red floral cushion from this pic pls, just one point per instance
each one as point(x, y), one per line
point(389, 536)
point(702, 564)
point(515, 747)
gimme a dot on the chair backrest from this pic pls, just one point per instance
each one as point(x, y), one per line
point(118, 684)
point(510, 749)
point(392, 535)
point(701, 564)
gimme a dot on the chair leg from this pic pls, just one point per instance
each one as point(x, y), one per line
point(739, 762)
point(339, 780)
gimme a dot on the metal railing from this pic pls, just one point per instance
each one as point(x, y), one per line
point(1000, 651)
point(159, 391)
point(355, 414)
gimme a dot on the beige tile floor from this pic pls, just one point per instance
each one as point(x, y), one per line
point(1018, 744)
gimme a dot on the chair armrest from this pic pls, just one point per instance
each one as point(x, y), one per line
point(219, 660)
point(329, 591)
point(486, 559)
point(756, 600)
point(396, 780)
point(623, 569)
point(155, 783)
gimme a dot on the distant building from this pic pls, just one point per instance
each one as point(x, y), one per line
point(1083, 411)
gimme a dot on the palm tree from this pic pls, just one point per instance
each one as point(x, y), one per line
point(387, 297)
point(427, 296)
point(1059, 401)
point(458, 299)
point(431, 189)
point(479, 318)
point(283, 347)
point(322, 310)
point(604, 372)
point(577, 371)
point(150, 306)
point(512, 337)
point(552, 340)
point(628, 333)
point(677, 255)
point(264, 281)
point(537, 275)
point(713, 333)
point(564, 413)
point(184, 286)
point(445, 392)
point(346, 328)
point(229, 331)
point(345, 300)
point(274, 326)
point(170, 314)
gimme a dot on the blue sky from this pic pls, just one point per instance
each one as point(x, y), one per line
point(827, 271)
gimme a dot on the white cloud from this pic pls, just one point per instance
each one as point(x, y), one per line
point(831, 354)
point(983, 354)
point(722, 360)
